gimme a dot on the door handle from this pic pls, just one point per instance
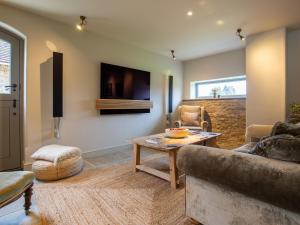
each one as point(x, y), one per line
point(13, 86)
point(14, 106)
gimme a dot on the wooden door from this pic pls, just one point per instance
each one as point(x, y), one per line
point(10, 148)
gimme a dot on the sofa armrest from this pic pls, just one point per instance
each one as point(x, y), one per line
point(257, 131)
point(177, 123)
point(269, 180)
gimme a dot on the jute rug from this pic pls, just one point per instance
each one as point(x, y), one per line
point(111, 196)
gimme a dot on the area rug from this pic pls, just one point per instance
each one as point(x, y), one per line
point(111, 196)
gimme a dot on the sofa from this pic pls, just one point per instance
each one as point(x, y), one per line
point(225, 187)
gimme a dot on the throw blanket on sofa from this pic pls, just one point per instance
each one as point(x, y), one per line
point(283, 147)
point(283, 144)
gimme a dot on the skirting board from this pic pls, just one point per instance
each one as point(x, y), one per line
point(91, 153)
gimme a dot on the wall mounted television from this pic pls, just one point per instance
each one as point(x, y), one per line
point(119, 82)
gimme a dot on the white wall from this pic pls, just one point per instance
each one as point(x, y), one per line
point(293, 67)
point(266, 77)
point(226, 64)
point(82, 125)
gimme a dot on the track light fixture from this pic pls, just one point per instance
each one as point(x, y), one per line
point(238, 33)
point(83, 23)
point(173, 54)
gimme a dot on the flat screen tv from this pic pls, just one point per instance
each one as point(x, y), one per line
point(119, 82)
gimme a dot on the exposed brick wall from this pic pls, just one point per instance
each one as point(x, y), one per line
point(227, 116)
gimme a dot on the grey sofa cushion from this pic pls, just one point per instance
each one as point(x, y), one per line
point(247, 148)
point(276, 182)
point(283, 147)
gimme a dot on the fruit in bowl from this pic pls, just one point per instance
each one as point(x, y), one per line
point(177, 132)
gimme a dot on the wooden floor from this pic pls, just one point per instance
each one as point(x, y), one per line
point(10, 214)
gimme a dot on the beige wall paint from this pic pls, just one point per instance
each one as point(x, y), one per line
point(293, 68)
point(266, 77)
point(82, 125)
point(222, 65)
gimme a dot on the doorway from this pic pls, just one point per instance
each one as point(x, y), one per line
point(10, 117)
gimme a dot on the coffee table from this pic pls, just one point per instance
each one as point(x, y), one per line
point(161, 143)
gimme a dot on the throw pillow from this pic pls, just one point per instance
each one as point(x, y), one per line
point(56, 153)
point(190, 119)
point(284, 147)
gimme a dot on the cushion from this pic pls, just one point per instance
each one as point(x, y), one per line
point(190, 108)
point(190, 118)
point(282, 147)
point(56, 153)
point(14, 183)
point(48, 171)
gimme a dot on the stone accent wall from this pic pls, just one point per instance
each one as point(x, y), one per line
point(227, 116)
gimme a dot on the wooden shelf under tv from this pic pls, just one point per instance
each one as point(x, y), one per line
point(123, 104)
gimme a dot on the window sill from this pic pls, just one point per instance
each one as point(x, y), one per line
point(221, 98)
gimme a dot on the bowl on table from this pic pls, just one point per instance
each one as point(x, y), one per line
point(177, 132)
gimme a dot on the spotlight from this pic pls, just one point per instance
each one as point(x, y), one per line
point(83, 23)
point(173, 54)
point(238, 33)
point(79, 27)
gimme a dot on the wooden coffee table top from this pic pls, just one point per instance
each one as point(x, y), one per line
point(162, 143)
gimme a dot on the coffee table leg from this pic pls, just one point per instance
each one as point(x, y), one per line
point(136, 156)
point(173, 169)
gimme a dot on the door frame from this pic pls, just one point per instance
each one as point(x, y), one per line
point(22, 85)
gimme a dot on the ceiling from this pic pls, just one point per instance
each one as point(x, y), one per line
point(162, 25)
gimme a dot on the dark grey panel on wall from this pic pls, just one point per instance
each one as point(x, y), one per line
point(170, 100)
point(57, 84)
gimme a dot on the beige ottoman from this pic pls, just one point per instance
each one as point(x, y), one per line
point(54, 162)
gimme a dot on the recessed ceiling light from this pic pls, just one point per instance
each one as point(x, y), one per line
point(220, 22)
point(189, 13)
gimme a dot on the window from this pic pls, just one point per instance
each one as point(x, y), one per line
point(5, 55)
point(223, 88)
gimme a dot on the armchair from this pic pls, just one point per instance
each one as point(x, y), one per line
point(13, 185)
point(191, 117)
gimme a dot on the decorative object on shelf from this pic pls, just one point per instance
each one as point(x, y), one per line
point(173, 54)
point(294, 116)
point(215, 91)
point(177, 132)
point(82, 24)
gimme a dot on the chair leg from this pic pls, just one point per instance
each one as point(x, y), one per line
point(27, 196)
